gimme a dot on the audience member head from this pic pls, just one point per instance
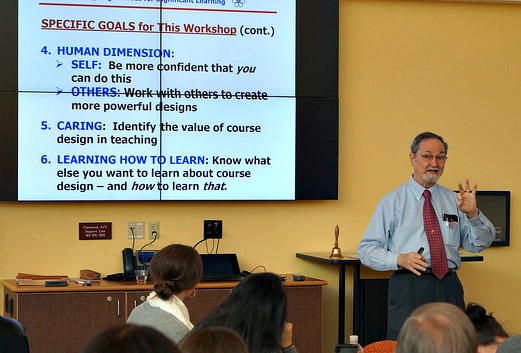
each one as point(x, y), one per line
point(256, 309)
point(12, 336)
point(437, 328)
point(213, 340)
point(510, 345)
point(174, 269)
point(128, 338)
point(489, 330)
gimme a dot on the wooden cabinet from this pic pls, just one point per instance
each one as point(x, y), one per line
point(134, 299)
point(305, 312)
point(64, 319)
point(204, 302)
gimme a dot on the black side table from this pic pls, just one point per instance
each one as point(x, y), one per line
point(355, 264)
point(323, 257)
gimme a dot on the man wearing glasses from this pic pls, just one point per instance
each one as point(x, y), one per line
point(421, 242)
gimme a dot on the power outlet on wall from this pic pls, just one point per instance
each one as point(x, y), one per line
point(136, 230)
point(213, 229)
point(153, 230)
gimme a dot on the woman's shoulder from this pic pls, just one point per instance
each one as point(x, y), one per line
point(291, 349)
point(148, 315)
point(146, 312)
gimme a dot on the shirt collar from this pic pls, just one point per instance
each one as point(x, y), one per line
point(418, 189)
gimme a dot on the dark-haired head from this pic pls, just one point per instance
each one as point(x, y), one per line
point(424, 136)
point(213, 340)
point(487, 327)
point(174, 269)
point(128, 338)
point(256, 309)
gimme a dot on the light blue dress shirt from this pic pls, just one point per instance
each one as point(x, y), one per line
point(396, 227)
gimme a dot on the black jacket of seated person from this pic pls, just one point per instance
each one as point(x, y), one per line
point(12, 336)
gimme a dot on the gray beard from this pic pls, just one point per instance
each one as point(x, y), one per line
point(430, 179)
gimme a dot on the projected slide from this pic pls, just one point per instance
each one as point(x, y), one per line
point(156, 100)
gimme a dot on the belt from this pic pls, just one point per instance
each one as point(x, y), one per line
point(428, 271)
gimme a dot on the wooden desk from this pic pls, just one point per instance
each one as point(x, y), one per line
point(64, 319)
point(359, 323)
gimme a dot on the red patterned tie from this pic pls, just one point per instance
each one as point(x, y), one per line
point(436, 246)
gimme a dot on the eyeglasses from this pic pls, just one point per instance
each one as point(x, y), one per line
point(427, 157)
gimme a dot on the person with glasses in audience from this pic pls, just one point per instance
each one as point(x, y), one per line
point(421, 244)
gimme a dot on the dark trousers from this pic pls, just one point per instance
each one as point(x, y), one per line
point(407, 291)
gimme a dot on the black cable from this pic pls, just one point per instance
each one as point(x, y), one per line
point(210, 251)
point(147, 244)
point(199, 242)
point(214, 247)
point(256, 267)
point(133, 238)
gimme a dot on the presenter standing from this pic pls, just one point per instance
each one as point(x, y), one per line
point(417, 230)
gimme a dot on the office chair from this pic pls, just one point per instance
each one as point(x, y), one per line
point(385, 346)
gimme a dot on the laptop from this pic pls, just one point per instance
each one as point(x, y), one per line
point(220, 267)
